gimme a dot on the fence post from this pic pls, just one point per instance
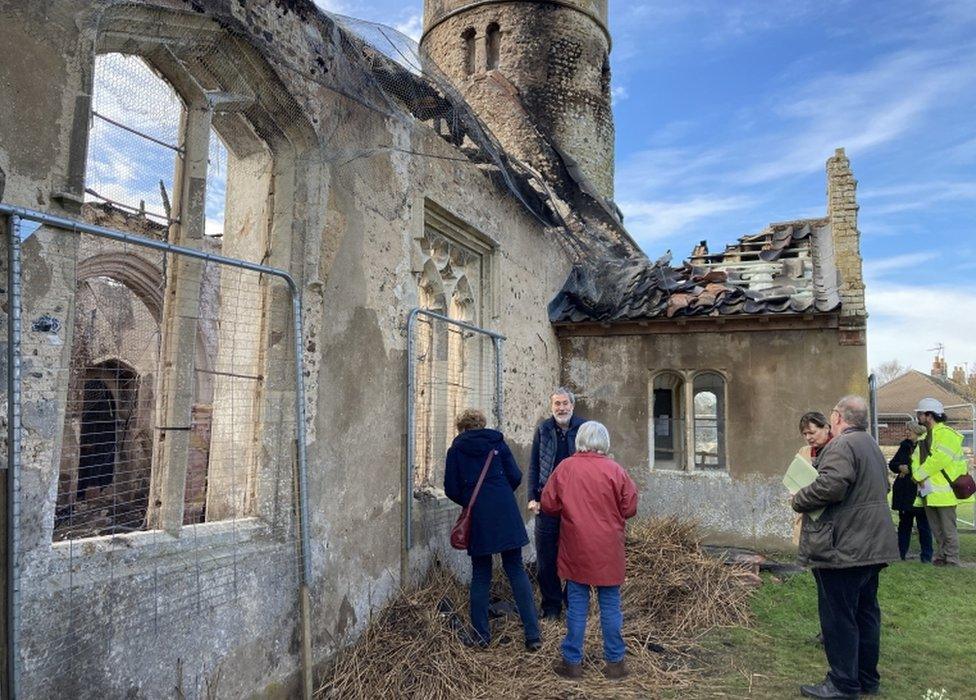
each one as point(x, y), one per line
point(499, 389)
point(407, 486)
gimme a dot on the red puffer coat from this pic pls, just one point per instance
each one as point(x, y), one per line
point(593, 496)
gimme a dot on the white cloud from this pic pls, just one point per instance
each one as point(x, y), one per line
point(412, 26)
point(333, 6)
point(860, 110)
point(908, 319)
point(895, 263)
point(894, 199)
point(618, 94)
point(651, 220)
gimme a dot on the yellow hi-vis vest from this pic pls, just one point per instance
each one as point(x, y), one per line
point(946, 455)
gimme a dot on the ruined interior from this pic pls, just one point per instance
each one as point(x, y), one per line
point(159, 544)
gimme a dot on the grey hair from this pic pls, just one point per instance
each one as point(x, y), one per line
point(563, 391)
point(854, 410)
point(593, 437)
point(916, 427)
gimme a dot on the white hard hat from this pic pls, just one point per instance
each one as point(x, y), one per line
point(930, 405)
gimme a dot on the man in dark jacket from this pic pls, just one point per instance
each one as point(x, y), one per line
point(554, 441)
point(847, 546)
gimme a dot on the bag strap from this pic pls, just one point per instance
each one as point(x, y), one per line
point(484, 470)
point(946, 477)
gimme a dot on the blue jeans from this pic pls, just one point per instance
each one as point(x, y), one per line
point(611, 621)
point(521, 590)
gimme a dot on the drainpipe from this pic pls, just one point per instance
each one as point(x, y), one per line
point(873, 404)
point(12, 467)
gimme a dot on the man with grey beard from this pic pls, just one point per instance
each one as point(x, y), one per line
point(554, 441)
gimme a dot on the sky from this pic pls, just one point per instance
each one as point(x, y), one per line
point(726, 112)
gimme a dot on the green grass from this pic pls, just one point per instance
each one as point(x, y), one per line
point(928, 635)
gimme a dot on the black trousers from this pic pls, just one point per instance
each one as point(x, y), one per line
point(850, 619)
point(905, 518)
point(546, 551)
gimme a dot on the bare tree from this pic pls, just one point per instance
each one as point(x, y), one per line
point(888, 370)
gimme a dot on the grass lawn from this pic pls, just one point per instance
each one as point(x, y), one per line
point(922, 646)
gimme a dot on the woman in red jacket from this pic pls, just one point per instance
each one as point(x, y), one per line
point(593, 496)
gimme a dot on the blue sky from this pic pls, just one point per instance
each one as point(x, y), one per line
point(726, 112)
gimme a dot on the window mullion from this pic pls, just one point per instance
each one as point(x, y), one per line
point(180, 313)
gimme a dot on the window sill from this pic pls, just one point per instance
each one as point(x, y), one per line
point(209, 540)
point(717, 474)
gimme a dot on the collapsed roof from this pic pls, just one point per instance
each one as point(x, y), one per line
point(786, 269)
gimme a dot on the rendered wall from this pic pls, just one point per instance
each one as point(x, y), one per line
point(772, 378)
point(353, 198)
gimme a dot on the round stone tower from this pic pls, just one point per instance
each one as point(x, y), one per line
point(532, 65)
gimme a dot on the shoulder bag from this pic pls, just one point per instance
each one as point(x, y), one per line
point(962, 487)
point(461, 532)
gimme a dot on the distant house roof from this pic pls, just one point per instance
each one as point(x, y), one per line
point(902, 394)
point(788, 268)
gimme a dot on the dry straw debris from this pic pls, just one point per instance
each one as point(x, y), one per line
point(673, 594)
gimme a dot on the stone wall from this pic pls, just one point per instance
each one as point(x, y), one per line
point(553, 71)
point(772, 377)
point(351, 186)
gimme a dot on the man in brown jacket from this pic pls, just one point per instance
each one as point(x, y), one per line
point(846, 546)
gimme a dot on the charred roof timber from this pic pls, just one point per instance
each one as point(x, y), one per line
point(786, 269)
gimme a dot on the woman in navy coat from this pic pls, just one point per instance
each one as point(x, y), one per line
point(496, 523)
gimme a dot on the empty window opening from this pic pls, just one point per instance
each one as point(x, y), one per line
point(492, 46)
point(709, 417)
point(98, 445)
point(668, 428)
point(105, 463)
point(134, 137)
point(469, 50)
point(141, 143)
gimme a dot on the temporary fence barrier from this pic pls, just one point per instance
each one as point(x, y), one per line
point(156, 467)
point(452, 365)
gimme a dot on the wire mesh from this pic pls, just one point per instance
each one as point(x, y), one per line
point(134, 137)
point(455, 368)
point(174, 487)
point(170, 496)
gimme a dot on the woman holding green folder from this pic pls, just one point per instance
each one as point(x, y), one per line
point(815, 430)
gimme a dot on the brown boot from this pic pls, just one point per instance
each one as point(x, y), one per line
point(568, 670)
point(615, 670)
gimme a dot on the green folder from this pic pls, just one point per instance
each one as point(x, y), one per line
point(801, 473)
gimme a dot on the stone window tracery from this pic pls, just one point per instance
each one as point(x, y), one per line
point(688, 416)
point(451, 360)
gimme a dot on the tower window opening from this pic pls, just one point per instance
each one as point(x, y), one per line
point(468, 36)
point(492, 45)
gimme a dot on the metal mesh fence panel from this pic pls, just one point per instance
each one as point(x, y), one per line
point(453, 367)
point(134, 137)
point(174, 380)
point(168, 425)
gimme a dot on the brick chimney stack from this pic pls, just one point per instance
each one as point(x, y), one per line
point(939, 368)
point(842, 212)
point(959, 374)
